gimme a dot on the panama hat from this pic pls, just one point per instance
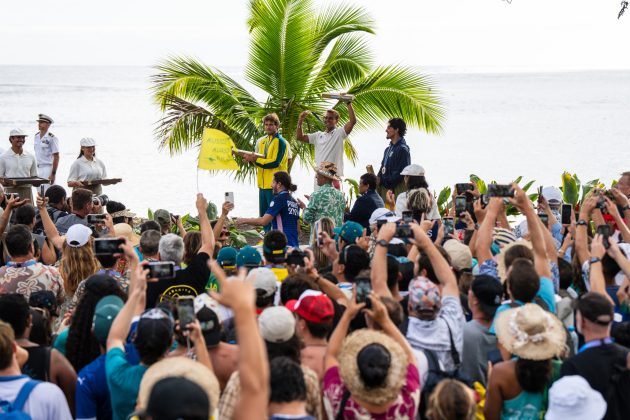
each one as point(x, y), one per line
point(328, 169)
point(351, 376)
point(530, 332)
point(179, 367)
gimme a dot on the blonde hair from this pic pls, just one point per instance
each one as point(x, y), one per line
point(451, 400)
point(419, 199)
point(273, 117)
point(7, 338)
point(76, 264)
point(326, 225)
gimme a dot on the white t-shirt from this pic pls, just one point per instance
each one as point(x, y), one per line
point(13, 165)
point(46, 401)
point(329, 147)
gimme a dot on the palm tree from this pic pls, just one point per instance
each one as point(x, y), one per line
point(296, 53)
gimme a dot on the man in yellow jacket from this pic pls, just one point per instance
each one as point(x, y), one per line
point(275, 151)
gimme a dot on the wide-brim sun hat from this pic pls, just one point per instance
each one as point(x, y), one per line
point(530, 332)
point(571, 397)
point(182, 367)
point(349, 368)
point(328, 170)
point(123, 229)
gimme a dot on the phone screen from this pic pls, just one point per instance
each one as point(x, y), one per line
point(161, 269)
point(93, 219)
point(448, 226)
point(460, 204)
point(407, 216)
point(544, 218)
point(364, 287)
point(500, 190)
point(107, 246)
point(604, 230)
point(185, 311)
point(566, 214)
point(462, 187)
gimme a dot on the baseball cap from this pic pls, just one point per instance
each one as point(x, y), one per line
point(45, 299)
point(104, 314)
point(87, 142)
point(178, 398)
point(383, 214)
point(553, 195)
point(350, 232)
point(248, 256)
point(264, 280)
point(78, 235)
point(413, 170)
point(155, 328)
point(227, 257)
point(596, 308)
point(277, 324)
point(313, 306)
point(16, 132)
point(163, 217)
point(489, 291)
point(208, 314)
point(461, 257)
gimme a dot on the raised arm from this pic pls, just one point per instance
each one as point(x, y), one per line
point(442, 270)
point(596, 274)
point(484, 234)
point(299, 134)
point(120, 327)
point(581, 230)
point(225, 210)
point(621, 223)
point(352, 119)
point(207, 236)
point(6, 215)
point(49, 227)
point(378, 273)
point(341, 330)
point(253, 367)
point(326, 286)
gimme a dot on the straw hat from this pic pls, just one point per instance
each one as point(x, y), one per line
point(530, 332)
point(328, 169)
point(349, 369)
point(183, 367)
point(123, 229)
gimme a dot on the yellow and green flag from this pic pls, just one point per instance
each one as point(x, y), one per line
point(216, 151)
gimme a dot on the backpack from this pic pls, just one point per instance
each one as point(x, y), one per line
point(436, 374)
point(618, 389)
point(13, 411)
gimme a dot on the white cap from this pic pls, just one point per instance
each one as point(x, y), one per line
point(45, 118)
point(78, 235)
point(16, 132)
point(277, 324)
point(383, 214)
point(88, 142)
point(204, 300)
point(413, 170)
point(571, 397)
point(264, 279)
point(552, 194)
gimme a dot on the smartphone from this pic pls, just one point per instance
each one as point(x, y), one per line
point(565, 214)
point(604, 230)
point(484, 199)
point(460, 205)
point(462, 187)
point(407, 216)
point(449, 226)
point(229, 197)
point(107, 246)
point(161, 269)
point(500, 190)
point(95, 219)
point(540, 192)
point(403, 230)
point(318, 229)
point(380, 223)
point(42, 191)
point(544, 218)
point(364, 288)
point(185, 311)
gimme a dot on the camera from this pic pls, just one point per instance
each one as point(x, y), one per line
point(100, 200)
point(296, 257)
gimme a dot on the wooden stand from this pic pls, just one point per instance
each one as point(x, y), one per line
point(95, 185)
point(22, 186)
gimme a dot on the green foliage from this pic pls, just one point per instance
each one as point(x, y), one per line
point(442, 200)
point(572, 186)
point(297, 52)
point(353, 191)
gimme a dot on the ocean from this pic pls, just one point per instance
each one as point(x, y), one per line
point(499, 125)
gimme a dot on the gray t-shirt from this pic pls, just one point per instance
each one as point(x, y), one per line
point(64, 223)
point(477, 343)
point(434, 335)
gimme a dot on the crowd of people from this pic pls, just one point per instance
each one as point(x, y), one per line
point(390, 311)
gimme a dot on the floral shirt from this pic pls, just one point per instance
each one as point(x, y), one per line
point(31, 277)
point(325, 202)
point(405, 406)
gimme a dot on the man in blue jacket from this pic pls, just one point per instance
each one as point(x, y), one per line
point(395, 158)
point(366, 203)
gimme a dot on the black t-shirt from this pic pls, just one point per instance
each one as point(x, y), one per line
point(596, 366)
point(190, 281)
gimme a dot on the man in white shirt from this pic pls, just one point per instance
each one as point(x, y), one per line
point(329, 144)
point(45, 401)
point(46, 150)
point(16, 163)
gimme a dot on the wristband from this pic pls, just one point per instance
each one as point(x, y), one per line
point(382, 242)
point(626, 207)
point(54, 172)
point(595, 260)
point(582, 222)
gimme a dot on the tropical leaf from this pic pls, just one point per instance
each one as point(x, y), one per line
point(586, 188)
point(570, 189)
point(481, 185)
point(527, 186)
point(442, 199)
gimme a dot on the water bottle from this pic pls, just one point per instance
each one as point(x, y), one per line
point(574, 339)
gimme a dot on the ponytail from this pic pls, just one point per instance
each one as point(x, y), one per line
point(285, 179)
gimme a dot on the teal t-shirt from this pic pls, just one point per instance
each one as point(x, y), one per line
point(60, 341)
point(123, 381)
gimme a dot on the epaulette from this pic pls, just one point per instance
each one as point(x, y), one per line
point(51, 134)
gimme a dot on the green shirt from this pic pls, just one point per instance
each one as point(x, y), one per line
point(325, 202)
point(123, 381)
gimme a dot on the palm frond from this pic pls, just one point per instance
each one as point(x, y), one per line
point(339, 19)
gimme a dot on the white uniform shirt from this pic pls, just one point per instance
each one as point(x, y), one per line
point(45, 147)
point(87, 170)
point(13, 165)
point(329, 147)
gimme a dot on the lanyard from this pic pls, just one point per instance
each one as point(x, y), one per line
point(388, 153)
point(595, 343)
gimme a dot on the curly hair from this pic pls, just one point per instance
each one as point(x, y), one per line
point(77, 264)
point(82, 347)
point(192, 244)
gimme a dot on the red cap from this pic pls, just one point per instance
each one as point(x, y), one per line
point(313, 306)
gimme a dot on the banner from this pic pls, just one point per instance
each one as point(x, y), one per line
point(216, 151)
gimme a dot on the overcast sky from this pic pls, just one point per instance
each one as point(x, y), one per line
point(551, 34)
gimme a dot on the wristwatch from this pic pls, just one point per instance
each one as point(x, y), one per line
point(626, 207)
point(382, 242)
point(582, 222)
point(595, 260)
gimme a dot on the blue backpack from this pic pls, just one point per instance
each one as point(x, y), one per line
point(13, 411)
